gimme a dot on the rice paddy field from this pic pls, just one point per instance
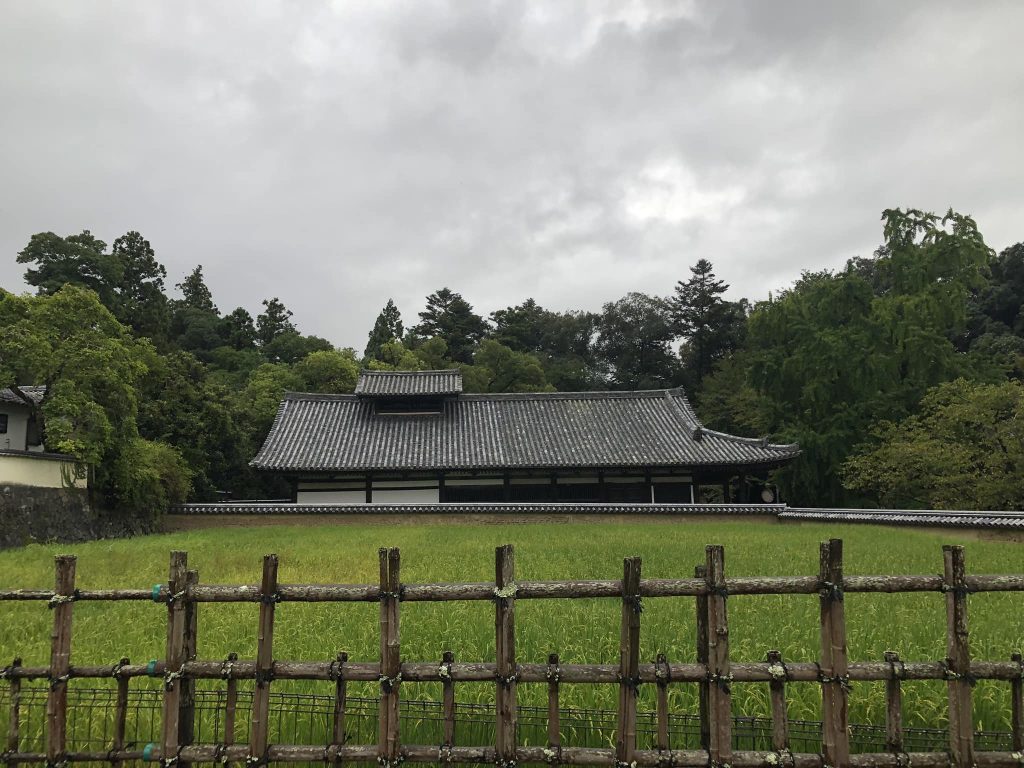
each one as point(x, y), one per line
point(581, 631)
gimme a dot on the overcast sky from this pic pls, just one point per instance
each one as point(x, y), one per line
point(338, 154)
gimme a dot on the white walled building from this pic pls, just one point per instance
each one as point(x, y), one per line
point(415, 438)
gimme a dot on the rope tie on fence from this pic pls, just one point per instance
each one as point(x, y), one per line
point(397, 595)
point(257, 760)
point(220, 754)
point(502, 763)
point(622, 764)
point(960, 590)
point(666, 759)
point(842, 680)
point(506, 682)
point(227, 667)
point(831, 591)
point(167, 762)
point(171, 677)
point(444, 754)
point(56, 763)
point(336, 671)
point(116, 670)
point(388, 684)
point(383, 762)
point(552, 755)
point(56, 682)
point(903, 760)
point(899, 669)
point(779, 671)
point(445, 670)
point(507, 592)
point(949, 674)
point(264, 676)
point(722, 681)
point(721, 591)
point(662, 672)
point(633, 683)
point(56, 600)
point(553, 673)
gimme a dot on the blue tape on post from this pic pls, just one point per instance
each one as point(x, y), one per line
point(147, 752)
point(156, 593)
point(151, 668)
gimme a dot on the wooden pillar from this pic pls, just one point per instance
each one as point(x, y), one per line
point(14, 718)
point(701, 572)
point(629, 660)
point(390, 658)
point(777, 693)
point(958, 658)
point(662, 675)
point(448, 699)
point(505, 644)
point(175, 656)
point(1016, 705)
point(719, 690)
point(340, 701)
point(260, 734)
point(187, 705)
point(894, 704)
point(60, 658)
point(554, 714)
point(834, 666)
point(120, 707)
point(231, 699)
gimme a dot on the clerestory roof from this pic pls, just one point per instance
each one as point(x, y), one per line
point(409, 383)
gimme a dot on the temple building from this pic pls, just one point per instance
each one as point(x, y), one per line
point(416, 438)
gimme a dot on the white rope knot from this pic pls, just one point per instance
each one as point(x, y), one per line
point(777, 671)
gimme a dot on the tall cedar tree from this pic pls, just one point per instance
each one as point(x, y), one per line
point(141, 300)
point(195, 292)
point(702, 317)
point(273, 321)
point(388, 328)
point(450, 317)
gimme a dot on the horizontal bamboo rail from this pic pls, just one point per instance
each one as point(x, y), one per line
point(715, 672)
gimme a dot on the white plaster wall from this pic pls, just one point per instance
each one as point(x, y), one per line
point(406, 496)
point(331, 497)
point(17, 428)
point(39, 473)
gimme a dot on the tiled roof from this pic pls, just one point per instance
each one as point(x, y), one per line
point(337, 433)
point(417, 383)
point(543, 508)
point(938, 517)
point(34, 392)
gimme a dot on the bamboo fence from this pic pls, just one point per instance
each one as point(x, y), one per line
point(714, 672)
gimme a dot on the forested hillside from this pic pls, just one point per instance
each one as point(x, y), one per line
point(899, 375)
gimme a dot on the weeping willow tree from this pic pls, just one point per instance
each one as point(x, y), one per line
point(842, 350)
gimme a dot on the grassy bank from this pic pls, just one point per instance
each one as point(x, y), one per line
point(581, 631)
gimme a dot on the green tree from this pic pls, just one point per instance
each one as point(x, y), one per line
point(195, 293)
point(711, 326)
point(91, 367)
point(388, 327)
point(73, 260)
point(273, 321)
point(141, 302)
point(330, 371)
point(450, 317)
point(831, 356)
point(634, 343)
point(964, 449)
point(291, 346)
point(394, 356)
point(238, 329)
point(496, 368)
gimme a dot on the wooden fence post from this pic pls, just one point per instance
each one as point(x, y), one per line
point(390, 657)
point(719, 669)
point(448, 698)
point(505, 644)
point(14, 719)
point(701, 572)
point(60, 658)
point(777, 693)
point(175, 656)
point(121, 709)
point(340, 700)
point(662, 675)
point(1016, 705)
point(629, 660)
point(894, 704)
point(259, 737)
point(835, 680)
point(958, 653)
point(187, 705)
point(231, 699)
point(554, 712)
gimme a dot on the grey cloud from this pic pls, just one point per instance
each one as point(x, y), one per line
point(338, 155)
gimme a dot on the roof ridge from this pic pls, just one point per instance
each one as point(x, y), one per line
point(373, 372)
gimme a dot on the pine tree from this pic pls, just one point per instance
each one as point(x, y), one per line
point(195, 293)
point(388, 328)
point(451, 317)
point(274, 321)
point(702, 316)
